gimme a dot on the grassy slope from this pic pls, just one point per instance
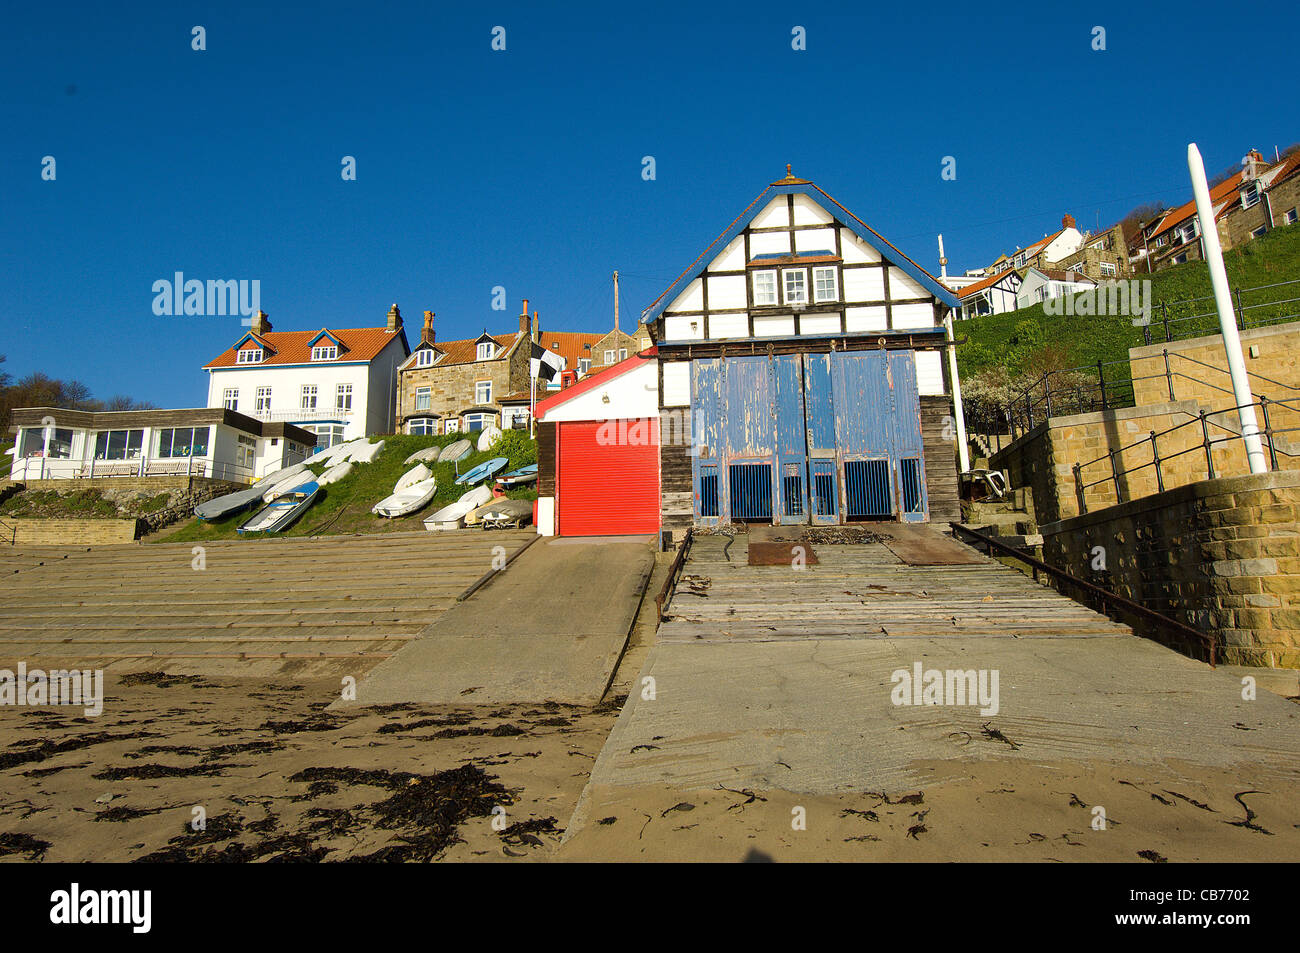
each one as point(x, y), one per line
point(1002, 341)
point(344, 507)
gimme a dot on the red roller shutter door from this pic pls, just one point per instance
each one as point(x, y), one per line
point(607, 490)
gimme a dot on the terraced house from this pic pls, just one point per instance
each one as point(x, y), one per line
point(337, 383)
point(802, 374)
point(473, 383)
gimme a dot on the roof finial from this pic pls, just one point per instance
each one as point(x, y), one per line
point(787, 171)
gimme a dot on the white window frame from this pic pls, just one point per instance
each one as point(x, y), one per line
point(325, 352)
point(1250, 195)
point(230, 398)
point(424, 358)
point(343, 397)
point(262, 399)
point(485, 421)
point(1291, 215)
point(424, 398)
point(762, 296)
point(584, 365)
point(1259, 232)
point(453, 425)
point(817, 275)
point(1108, 269)
point(251, 355)
point(609, 355)
point(428, 426)
point(622, 354)
point(802, 275)
point(482, 392)
point(308, 401)
point(486, 351)
point(1185, 236)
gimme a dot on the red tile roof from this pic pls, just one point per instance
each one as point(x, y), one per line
point(1188, 209)
point(984, 283)
point(570, 345)
point(294, 347)
point(465, 351)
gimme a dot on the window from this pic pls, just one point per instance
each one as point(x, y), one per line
point(1108, 269)
point(584, 365)
point(425, 358)
point(251, 355)
point(308, 396)
point(825, 285)
point(262, 400)
point(1259, 232)
point(1020, 259)
point(245, 452)
point(1290, 216)
point(622, 354)
point(343, 397)
point(327, 435)
point(1179, 259)
point(476, 422)
point(609, 356)
point(1187, 232)
point(796, 285)
point(33, 443)
point(423, 426)
point(423, 398)
point(183, 442)
point(118, 444)
point(230, 398)
point(486, 350)
point(453, 425)
point(1160, 242)
point(1250, 195)
point(482, 392)
point(324, 352)
point(765, 287)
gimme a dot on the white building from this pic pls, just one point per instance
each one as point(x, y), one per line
point(53, 443)
point(337, 383)
point(1038, 286)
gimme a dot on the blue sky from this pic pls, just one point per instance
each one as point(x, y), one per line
point(522, 168)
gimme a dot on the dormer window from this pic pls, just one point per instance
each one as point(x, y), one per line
point(425, 358)
point(325, 352)
point(486, 350)
point(250, 355)
point(1250, 195)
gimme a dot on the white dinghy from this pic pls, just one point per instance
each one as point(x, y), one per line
point(453, 516)
point(284, 486)
point(335, 473)
point(455, 451)
point(488, 438)
point(409, 499)
point(366, 453)
point(414, 475)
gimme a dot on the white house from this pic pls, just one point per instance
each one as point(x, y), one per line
point(1040, 285)
point(995, 294)
point(337, 383)
point(54, 443)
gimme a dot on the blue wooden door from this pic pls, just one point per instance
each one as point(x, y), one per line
point(823, 462)
point(908, 449)
point(749, 424)
point(706, 440)
point(864, 411)
point(791, 439)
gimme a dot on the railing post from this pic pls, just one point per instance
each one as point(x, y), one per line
point(1268, 432)
point(1078, 488)
point(1146, 334)
point(1047, 389)
point(1155, 456)
point(1205, 439)
point(1169, 377)
point(1029, 412)
point(1164, 313)
point(1241, 312)
point(1114, 475)
point(1101, 382)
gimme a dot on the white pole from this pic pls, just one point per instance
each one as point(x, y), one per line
point(943, 260)
point(963, 452)
point(1227, 322)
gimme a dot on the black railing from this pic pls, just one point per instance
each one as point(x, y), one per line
point(1247, 313)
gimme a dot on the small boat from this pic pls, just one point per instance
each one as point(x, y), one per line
point(409, 499)
point(230, 503)
point(279, 476)
point(339, 452)
point(335, 473)
point(482, 471)
point(425, 455)
point(366, 453)
point(453, 515)
point(455, 451)
point(523, 475)
point(284, 486)
point(414, 475)
point(278, 515)
point(475, 516)
point(506, 514)
point(488, 438)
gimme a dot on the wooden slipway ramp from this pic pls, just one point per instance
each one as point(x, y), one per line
point(550, 627)
point(306, 607)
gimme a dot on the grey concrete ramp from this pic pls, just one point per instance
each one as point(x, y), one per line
point(550, 627)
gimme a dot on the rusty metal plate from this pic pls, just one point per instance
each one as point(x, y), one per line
point(924, 546)
point(780, 553)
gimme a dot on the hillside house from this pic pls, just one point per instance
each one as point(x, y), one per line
point(338, 383)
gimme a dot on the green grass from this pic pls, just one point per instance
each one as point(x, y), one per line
point(1026, 342)
point(51, 504)
point(344, 507)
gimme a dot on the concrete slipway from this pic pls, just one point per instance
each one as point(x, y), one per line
point(772, 678)
point(550, 627)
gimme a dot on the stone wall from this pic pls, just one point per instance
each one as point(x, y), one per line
point(1220, 555)
point(74, 532)
point(453, 385)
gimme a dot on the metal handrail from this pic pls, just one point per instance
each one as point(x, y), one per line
point(13, 532)
point(1105, 596)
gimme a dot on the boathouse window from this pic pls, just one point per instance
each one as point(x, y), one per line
point(482, 392)
point(183, 442)
point(825, 285)
point(423, 396)
point(251, 355)
point(422, 426)
point(765, 287)
point(230, 398)
point(118, 444)
point(324, 352)
point(796, 285)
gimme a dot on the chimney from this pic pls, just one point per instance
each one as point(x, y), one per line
point(523, 319)
point(1254, 164)
point(1067, 221)
point(537, 328)
point(427, 332)
point(261, 322)
point(394, 318)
